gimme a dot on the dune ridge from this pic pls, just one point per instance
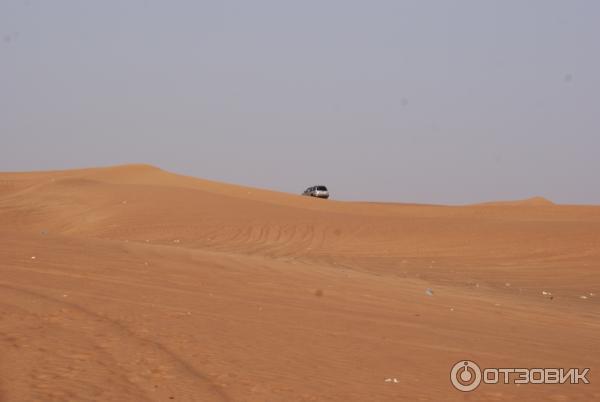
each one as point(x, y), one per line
point(536, 201)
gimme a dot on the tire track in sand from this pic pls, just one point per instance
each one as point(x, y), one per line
point(140, 367)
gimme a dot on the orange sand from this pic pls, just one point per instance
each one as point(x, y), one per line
point(133, 284)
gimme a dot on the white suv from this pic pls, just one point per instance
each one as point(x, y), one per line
point(317, 191)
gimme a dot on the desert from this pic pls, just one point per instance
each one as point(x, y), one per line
point(133, 283)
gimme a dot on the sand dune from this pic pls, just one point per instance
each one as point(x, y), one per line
point(533, 202)
point(131, 283)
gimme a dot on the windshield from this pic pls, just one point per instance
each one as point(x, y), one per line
point(321, 188)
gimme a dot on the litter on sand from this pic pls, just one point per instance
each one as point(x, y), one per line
point(429, 292)
point(394, 380)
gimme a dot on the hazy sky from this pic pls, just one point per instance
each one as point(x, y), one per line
point(410, 101)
